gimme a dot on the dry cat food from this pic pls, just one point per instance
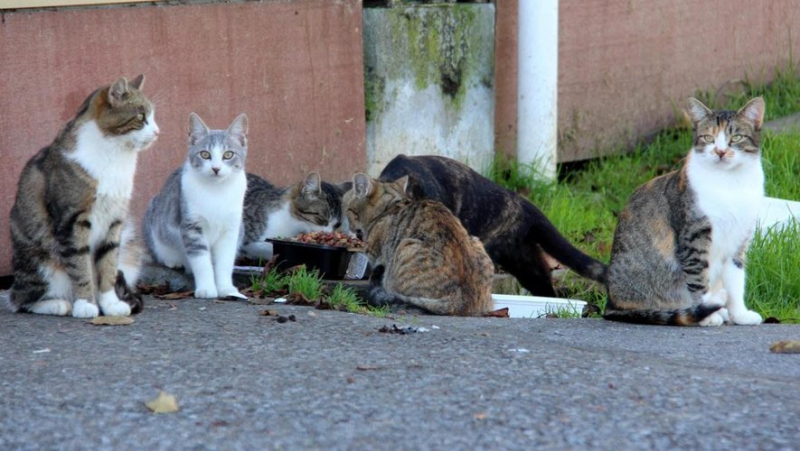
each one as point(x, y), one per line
point(329, 239)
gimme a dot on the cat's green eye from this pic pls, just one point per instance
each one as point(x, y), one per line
point(205, 155)
point(227, 155)
point(707, 139)
point(141, 116)
point(736, 138)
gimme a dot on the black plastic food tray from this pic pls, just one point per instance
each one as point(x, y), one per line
point(330, 261)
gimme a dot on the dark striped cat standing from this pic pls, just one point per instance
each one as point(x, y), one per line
point(195, 221)
point(420, 253)
point(679, 248)
point(269, 212)
point(72, 201)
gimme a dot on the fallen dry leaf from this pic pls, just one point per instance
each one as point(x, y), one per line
point(481, 416)
point(260, 301)
point(786, 347)
point(112, 321)
point(499, 313)
point(269, 312)
point(175, 295)
point(164, 403)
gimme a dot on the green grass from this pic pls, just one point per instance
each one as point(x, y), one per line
point(773, 273)
point(272, 282)
point(309, 284)
point(584, 204)
point(306, 283)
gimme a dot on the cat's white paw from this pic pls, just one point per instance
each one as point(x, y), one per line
point(231, 292)
point(712, 320)
point(745, 318)
point(84, 309)
point(205, 292)
point(118, 309)
point(112, 306)
point(58, 307)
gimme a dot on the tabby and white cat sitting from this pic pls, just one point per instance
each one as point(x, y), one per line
point(72, 203)
point(269, 212)
point(195, 221)
point(679, 249)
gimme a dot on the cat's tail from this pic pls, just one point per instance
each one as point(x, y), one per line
point(678, 317)
point(132, 257)
point(558, 247)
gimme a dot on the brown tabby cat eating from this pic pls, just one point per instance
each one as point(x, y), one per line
point(420, 253)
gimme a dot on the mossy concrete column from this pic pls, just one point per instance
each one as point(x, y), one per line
point(429, 82)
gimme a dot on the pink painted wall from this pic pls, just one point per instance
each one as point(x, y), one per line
point(623, 64)
point(294, 67)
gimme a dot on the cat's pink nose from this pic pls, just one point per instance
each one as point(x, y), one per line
point(156, 131)
point(720, 152)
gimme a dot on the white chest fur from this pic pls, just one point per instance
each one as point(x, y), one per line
point(107, 160)
point(113, 165)
point(216, 205)
point(731, 200)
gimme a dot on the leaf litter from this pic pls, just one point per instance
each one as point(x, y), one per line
point(112, 321)
point(786, 347)
point(164, 403)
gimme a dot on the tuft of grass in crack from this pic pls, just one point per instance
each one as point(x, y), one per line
point(305, 282)
point(308, 283)
point(272, 282)
point(342, 298)
point(562, 311)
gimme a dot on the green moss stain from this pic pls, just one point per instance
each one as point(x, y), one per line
point(374, 99)
point(436, 44)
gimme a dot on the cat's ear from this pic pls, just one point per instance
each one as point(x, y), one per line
point(362, 185)
point(138, 82)
point(312, 185)
point(197, 129)
point(698, 111)
point(402, 183)
point(753, 112)
point(118, 92)
point(238, 129)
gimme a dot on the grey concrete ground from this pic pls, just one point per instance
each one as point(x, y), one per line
point(331, 380)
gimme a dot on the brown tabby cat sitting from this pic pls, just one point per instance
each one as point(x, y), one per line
point(420, 253)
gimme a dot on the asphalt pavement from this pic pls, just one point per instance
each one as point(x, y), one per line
point(332, 380)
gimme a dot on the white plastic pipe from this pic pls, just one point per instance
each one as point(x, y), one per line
point(537, 85)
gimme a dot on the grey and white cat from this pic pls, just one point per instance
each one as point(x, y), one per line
point(195, 221)
point(269, 212)
point(679, 249)
point(72, 204)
